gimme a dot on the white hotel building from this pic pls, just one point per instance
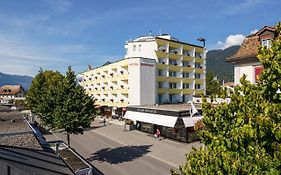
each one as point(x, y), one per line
point(155, 70)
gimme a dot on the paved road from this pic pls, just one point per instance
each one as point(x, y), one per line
point(112, 158)
point(115, 152)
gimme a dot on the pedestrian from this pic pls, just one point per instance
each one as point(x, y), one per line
point(157, 134)
point(104, 122)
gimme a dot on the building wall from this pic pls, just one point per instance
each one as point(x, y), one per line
point(142, 81)
point(248, 69)
point(142, 49)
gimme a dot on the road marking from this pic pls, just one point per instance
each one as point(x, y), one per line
point(124, 144)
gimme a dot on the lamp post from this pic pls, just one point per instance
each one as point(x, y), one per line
point(202, 40)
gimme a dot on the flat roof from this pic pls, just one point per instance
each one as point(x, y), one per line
point(15, 131)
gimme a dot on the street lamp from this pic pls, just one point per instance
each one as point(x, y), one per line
point(202, 40)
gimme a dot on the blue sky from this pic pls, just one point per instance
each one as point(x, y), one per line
point(54, 34)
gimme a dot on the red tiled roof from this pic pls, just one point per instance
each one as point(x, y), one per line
point(10, 89)
point(250, 45)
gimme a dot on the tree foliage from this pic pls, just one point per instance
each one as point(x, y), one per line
point(213, 86)
point(244, 136)
point(60, 102)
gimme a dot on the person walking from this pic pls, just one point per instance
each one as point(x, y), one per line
point(157, 134)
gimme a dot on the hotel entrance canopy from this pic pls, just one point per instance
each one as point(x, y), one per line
point(164, 114)
point(158, 119)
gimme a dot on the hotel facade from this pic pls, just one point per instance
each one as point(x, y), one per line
point(155, 70)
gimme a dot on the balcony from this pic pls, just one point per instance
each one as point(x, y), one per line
point(161, 54)
point(187, 58)
point(174, 79)
point(173, 56)
point(174, 45)
point(199, 71)
point(123, 63)
point(199, 60)
point(198, 91)
point(162, 78)
point(123, 91)
point(199, 81)
point(123, 77)
point(187, 91)
point(162, 90)
point(174, 68)
point(187, 47)
point(161, 42)
point(187, 80)
point(199, 49)
point(174, 91)
point(187, 69)
point(162, 66)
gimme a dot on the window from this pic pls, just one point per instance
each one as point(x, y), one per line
point(197, 86)
point(266, 43)
point(173, 85)
point(172, 74)
point(161, 73)
point(197, 54)
point(134, 47)
point(185, 74)
point(139, 47)
point(185, 86)
point(160, 85)
point(173, 62)
point(185, 64)
point(197, 65)
point(197, 75)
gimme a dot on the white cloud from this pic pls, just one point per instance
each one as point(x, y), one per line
point(242, 7)
point(254, 31)
point(231, 40)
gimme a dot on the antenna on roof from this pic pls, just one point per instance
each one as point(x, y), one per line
point(150, 34)
point(90, 67)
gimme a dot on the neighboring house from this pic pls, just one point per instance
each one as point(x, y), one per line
point(155, 70)
point(245, 60)
point(8, 92)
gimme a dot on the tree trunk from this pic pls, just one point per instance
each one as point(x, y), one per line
point(68, 139)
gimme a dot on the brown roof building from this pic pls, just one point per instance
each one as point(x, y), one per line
point(11, 91)
point(245, 60)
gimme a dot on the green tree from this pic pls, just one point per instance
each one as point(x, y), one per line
point(40, 98)
point(244, 136)
point(213, 86)
point(76, 110)
point(59, 102)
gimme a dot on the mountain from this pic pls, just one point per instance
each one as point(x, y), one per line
point(216, 63)
point(24, 81)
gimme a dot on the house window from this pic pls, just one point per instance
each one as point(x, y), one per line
point(134, 47)
point(139, 47)
point(173, 85)
point(185, 74)
point(197, 75)
point(197, 86)
point(185, 86)
point(172, 74)
point(197, 54)
point(266, 43)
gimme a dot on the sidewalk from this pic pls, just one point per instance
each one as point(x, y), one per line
point(168, 151)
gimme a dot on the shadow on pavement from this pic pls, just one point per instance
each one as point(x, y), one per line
point(120, 154)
